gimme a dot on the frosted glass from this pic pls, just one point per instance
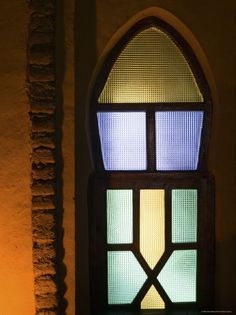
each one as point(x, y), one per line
point(184, 215)
point(178, 136)
point(152, 225)
point(123, 140)
point(125, 277)
point(152, 300)
point(178, 276)
point(151, 68)
point(119, 216)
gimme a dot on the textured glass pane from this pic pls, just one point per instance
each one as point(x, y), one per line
point(152, 300)
point(184, 215)
point(178, 276)
point(178, 136)
point(151, 68)
point(152, 225)
point(119, 216)
point(123, 140)
point(125, 277)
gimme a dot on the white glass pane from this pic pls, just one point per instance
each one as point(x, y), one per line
point(123, 140)
point(178, 136)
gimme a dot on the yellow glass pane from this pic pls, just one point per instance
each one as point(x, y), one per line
point(151, 69)
point(152, 225)
point(152, 300)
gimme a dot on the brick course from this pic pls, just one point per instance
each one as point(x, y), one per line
point(41, 93)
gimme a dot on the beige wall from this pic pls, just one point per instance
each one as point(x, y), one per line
point(16, 276)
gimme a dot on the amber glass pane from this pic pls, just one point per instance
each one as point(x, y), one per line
point(151, 68)
point(152, 300)
point(152, 225)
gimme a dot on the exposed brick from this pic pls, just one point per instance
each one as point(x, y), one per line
point(47, 173)
point(46, 312)
point(39, 189)
point(43, 226)
point(36, 38)
point(44, 254)
point(41, 55)
point(44, 203)
point(43, 125)
point(46, 302)
point(43, 155)
point(42, 6)
point(43, 73)
point(41, 24)
point(40, 91)
point(43, 139)
point(44, 269)
point(45, 285)
point(45, 106)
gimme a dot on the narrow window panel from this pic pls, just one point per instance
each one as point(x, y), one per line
point(178, 136)
point(123, 140)
point(152, 300)
point(152, 225)
point(125, 277)
point(178, 276)
point(151, 69)
point(184, 215)
point(119, 216)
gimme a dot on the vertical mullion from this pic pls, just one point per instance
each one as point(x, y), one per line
point(136, 218)
point(151, 145)
point(168, 218)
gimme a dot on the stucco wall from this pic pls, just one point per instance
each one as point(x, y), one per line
point(16, 276)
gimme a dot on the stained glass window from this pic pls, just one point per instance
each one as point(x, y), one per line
point(125, 277)
point(152, 225)
point(184, 215)
point(152, 300)
point(119, 216)
point(151, 69)
point(178, 276)
point(178, 136)
point(123, 140)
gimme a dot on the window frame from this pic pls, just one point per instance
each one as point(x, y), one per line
point(199, 179)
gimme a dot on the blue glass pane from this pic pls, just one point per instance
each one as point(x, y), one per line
point(178, 136)
point(178, 276)
point(123, 140)
point(119, 216)
point(125, 277)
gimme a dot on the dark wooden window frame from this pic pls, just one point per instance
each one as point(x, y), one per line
point(200, 179)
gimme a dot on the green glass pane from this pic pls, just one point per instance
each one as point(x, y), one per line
point(119, 216)
point(125, 277)
point(184, 215)
point(178, 276)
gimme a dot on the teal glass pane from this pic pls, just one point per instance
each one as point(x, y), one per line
point(123, 140)
point(178, 137)
point(184, 215)
point(125, 277)
point(119, 216)
point(178, 276)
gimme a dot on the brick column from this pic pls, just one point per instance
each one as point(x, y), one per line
point(41, 93)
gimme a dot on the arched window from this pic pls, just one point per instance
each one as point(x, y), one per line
point(151, 210)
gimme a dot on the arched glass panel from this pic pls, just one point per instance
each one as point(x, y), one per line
point(151, 69)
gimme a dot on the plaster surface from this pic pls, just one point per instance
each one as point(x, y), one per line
point(16, 275)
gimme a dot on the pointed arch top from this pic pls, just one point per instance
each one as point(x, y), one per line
point(151, 68)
